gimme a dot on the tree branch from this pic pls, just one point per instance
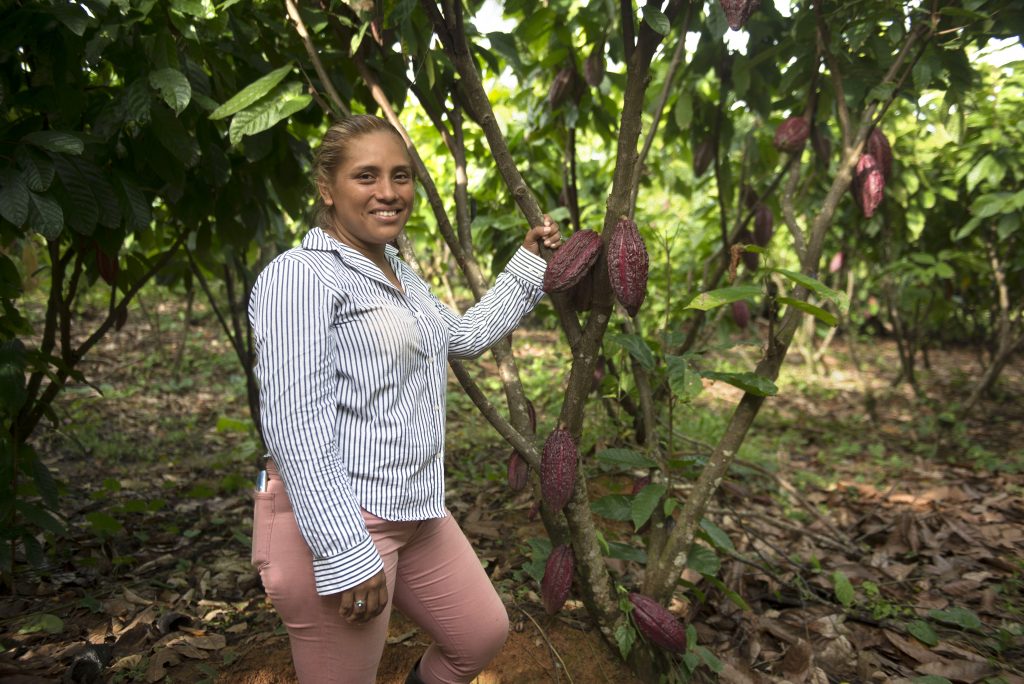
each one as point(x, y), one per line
point(300, 28)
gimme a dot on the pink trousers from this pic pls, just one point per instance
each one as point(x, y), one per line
point(433, 577)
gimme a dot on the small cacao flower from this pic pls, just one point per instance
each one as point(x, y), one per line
point(738, 11)
point(868, 184)
point(764, 222)
point(791, 135)
point(878, 147)
point(572, 261)
point(627, 265)
point(703, 154)
point(741, 314)
point(593, 66)
point(558, 469)
point(518, 472)
point(657, 624)
point(557, 581)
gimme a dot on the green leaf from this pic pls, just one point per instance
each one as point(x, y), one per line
point(39, 517)
point(710, 659)
point(104, 524)
point(45, 484)
point(711, 299)
point(956, 616)
point(84, 212)
point(42, 622)
point(703, 560)
point(173, 87)
point(656, 19)
point(991, 204)
point(817, 287)
point(284, 101)
point(636, 347)
point(136, 209)
point(843, 588)
point(645, 502)
point(613, 507)
point(626, 552)
point(1007, 226)
point(625, 637)
point(682, 380)
point(55, 141)
point(37, 169)
point(717, 535)
point(930, 679)
point(923, 632)
point(626, 458)
point(46, 216)
point(251, 93)
point(748, 382)
point(226, 424)
point(683, 110)
point(821, 314)
point(14, 197)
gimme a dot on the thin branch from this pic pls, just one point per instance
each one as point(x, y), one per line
point(551, 647)
point(300, 28)
point(789, 215)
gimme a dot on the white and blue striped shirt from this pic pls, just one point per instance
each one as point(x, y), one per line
point(352, 375)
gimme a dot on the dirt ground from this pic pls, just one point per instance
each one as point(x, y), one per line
point(846, 476)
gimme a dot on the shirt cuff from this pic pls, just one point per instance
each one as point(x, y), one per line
point(353, 567)
point(527, 266)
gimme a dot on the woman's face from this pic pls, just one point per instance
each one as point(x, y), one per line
point(372, 192)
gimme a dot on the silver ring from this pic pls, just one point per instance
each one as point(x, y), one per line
point(360, 604)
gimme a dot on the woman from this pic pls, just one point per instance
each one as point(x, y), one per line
point(351, 360)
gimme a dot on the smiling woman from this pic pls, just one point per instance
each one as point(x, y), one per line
point(351, 350)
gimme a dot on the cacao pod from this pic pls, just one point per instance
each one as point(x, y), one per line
point(639, 483)
point(764, 222)
point(518, 472)
point(749, 258)
point(703, 155)
point(738, 11)
point(868, 184)
point(532, 412)
point(791, 135)
point(557, 581)
point(581, 296)
point(107, 266)
point(749, 196)
point(821, 143)
point(558, 469)
point(627, 265)
point(562, 86)
point(836, 263)
point(741, 314)
point(572, 261)
point(593, 67)
point(878, 147)
point(657, 624)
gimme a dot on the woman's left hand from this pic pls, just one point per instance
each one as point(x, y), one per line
point(547, 234)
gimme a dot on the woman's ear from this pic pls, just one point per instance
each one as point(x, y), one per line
point(325, 193)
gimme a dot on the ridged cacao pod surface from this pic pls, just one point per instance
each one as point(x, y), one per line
point(572, 261)
point(593, 66)
point(657, 624)
point(518, 472)
point(738, 11)
point(764, 223)
point(703, 154)
point(792, 134)
point(869, 184)
point(878, 147)
point(558, 469)
point(557, 581)
point(741, 314)
point(627, 265)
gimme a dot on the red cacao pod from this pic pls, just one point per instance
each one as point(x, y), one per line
point(657, 624)
point(792, 134)
point(878, 147)
point(749, 258)
point(868, 184)
point(738, 11)
point(107, 266)
point(564, 85)
point(581, 296)
point(558, 469)
point(836, 263)
point(593, 66)
point(764, 222)
point(639, 483)
point(741, 314)
point(557, 581)
point(627, 265)
point(703, 155)
point(518, 472)
point(572, 261)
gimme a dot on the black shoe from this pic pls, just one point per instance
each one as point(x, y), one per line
point(414, 675)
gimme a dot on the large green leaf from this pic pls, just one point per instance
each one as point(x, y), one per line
point(84, 212)
point(645, 502)
point(716, 535)
point(173, 87)
point(281, 103)
point(136, 209)
point(46, 216)
point(627, 458)
point(14, 197)
point(636, 346)
point(703, 560)
point(251, 93)
point(838, 298)
point(711, 299)
point(656, 19)
point(682, 379)
point(816, 311)
point(56, 141)
point(748, 382)
point(36, 168)
point(613, 507)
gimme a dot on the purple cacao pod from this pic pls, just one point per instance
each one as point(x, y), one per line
point(703, 155)
point(639, 483)
point(738, 11)
point(764, 222)
point(518, 472)
point(657, 624)
point(792, 134)
point(558, 469)
point(593, 66)
point(563, 85)
point(749, 258)
point(572, 261)
point(557, 581)
point(627, 265)
point(868, 184)
point(878, 147)
point(741, 314)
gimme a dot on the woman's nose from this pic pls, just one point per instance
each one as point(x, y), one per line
point(386, 190)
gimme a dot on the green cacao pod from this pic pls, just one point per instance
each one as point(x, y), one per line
point(878, 147)
point(518, 472)
point(657, 624)
point(572, 261)
point(627, 265)
point(791, 135)
point(557, 581)
point(558, 469)
point(738, 11)
point(868, 184)
point(764, 222)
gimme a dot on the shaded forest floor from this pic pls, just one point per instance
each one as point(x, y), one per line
point(870, 538)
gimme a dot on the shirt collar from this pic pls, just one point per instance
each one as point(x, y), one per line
point(318, 240)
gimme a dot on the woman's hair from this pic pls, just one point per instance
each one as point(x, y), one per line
point(334, 150)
